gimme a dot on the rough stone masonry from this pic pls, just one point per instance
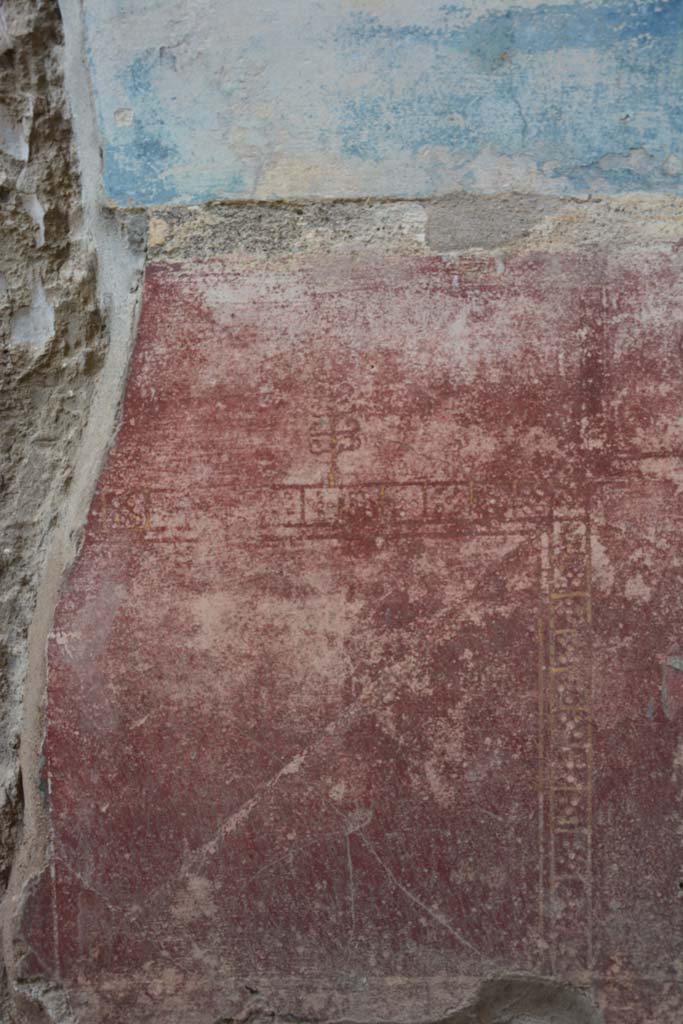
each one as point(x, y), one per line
point(341, 492)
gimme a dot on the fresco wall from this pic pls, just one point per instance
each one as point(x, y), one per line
point(365, 690)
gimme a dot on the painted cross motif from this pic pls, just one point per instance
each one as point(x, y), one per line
point(332, 434)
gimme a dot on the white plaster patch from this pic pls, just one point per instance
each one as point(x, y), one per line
point(34, 208)
point(34, 325)
point(13, 139)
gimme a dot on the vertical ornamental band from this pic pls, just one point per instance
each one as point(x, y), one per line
point(568, 774)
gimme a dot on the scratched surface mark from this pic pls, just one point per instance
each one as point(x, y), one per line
point(367, 681)
point(366, 97)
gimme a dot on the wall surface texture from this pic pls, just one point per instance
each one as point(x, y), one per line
point(344, 372)
point(385, 97)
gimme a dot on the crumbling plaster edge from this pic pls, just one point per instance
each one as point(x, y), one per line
point(118, 242)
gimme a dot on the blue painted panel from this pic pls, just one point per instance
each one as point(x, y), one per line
point(284, 98)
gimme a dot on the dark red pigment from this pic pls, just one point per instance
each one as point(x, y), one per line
point(365, 683)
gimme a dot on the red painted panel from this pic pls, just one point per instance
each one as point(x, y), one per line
point(365, 683)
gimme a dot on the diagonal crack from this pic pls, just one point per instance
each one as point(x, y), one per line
point(439, 918)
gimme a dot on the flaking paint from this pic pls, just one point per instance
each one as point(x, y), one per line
point(280, 98)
